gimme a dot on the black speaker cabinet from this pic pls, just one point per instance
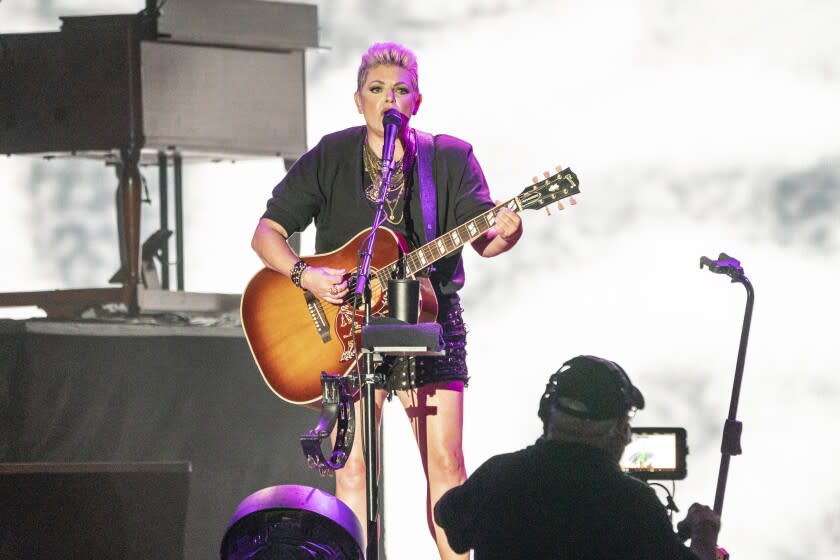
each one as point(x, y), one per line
point(71, 91)
point(109, 82)
point(93, 510)
point(223, 101)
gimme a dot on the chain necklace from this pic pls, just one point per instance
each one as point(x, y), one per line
point(394, 196)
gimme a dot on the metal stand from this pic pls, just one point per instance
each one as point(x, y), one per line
point(392, 122)
point(179, 220)
point(731, 441)
point(163, 194)
point(177, 173)
point(371, 448)
point(389, 337)
point(362, 292)
point(380, 338)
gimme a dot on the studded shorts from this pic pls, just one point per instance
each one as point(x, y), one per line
point(410, 373)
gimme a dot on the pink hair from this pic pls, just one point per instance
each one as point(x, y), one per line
point(391, 54)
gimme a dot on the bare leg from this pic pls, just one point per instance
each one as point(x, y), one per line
point(350, 481)
point(436, 413)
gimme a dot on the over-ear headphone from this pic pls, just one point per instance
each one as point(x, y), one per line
point(631, 396)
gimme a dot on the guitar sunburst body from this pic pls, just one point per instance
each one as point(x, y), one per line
point(295, 336)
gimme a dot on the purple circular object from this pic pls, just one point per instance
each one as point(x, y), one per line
point(297, 497)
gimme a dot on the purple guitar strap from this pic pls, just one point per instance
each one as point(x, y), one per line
point(428, 192)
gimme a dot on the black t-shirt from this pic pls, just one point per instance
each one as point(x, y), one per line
point(557, 501)
point(326, 185)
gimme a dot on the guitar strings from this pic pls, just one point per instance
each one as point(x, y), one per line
point(379, 274)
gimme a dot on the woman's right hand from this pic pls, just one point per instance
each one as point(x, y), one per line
point(328, 284)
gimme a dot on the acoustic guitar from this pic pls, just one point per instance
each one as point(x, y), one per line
point(294, 336)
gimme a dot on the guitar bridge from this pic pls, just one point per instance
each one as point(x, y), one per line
point(316, 310)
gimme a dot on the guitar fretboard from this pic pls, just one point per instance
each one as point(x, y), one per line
point(551, 189)
point(446, 244)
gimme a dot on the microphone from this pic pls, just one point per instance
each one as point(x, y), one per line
point(392, 122)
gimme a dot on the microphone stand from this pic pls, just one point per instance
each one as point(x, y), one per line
point(369, 383)
point(731, 441)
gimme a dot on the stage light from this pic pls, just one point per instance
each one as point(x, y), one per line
point(292, 522)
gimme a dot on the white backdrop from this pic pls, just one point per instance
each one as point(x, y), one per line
point(695, 128)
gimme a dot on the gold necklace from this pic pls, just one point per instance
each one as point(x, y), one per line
point(394, 196)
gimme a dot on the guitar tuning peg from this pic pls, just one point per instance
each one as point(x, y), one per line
point(548, 210)
point(534, 179)
point(560, 206)
point(572, 200)
point(559, 168)
point(546, 174)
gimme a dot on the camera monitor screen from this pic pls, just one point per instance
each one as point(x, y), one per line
point(656, 454)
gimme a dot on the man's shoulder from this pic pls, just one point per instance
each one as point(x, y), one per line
point(512, 460)
point(636, 495)
point(638, 487)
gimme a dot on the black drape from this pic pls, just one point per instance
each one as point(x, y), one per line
point(118, 392)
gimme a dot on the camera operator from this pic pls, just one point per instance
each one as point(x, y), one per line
point(565, 496)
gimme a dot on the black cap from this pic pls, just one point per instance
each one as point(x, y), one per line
point(592, 388)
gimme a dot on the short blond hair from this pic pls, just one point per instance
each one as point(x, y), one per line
point(392, 54)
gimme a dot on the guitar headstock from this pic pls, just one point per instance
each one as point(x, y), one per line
point(553, 188)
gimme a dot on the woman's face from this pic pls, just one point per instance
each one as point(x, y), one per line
point(386, 86)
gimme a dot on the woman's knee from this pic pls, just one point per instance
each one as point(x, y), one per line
point(352, 477)
point(446, 463)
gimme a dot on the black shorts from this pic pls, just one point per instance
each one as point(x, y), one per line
point(404, 373)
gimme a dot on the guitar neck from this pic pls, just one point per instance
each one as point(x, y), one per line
point(551, 189)
point(448, 243)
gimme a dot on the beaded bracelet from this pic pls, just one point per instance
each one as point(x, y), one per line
point(297, 271)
